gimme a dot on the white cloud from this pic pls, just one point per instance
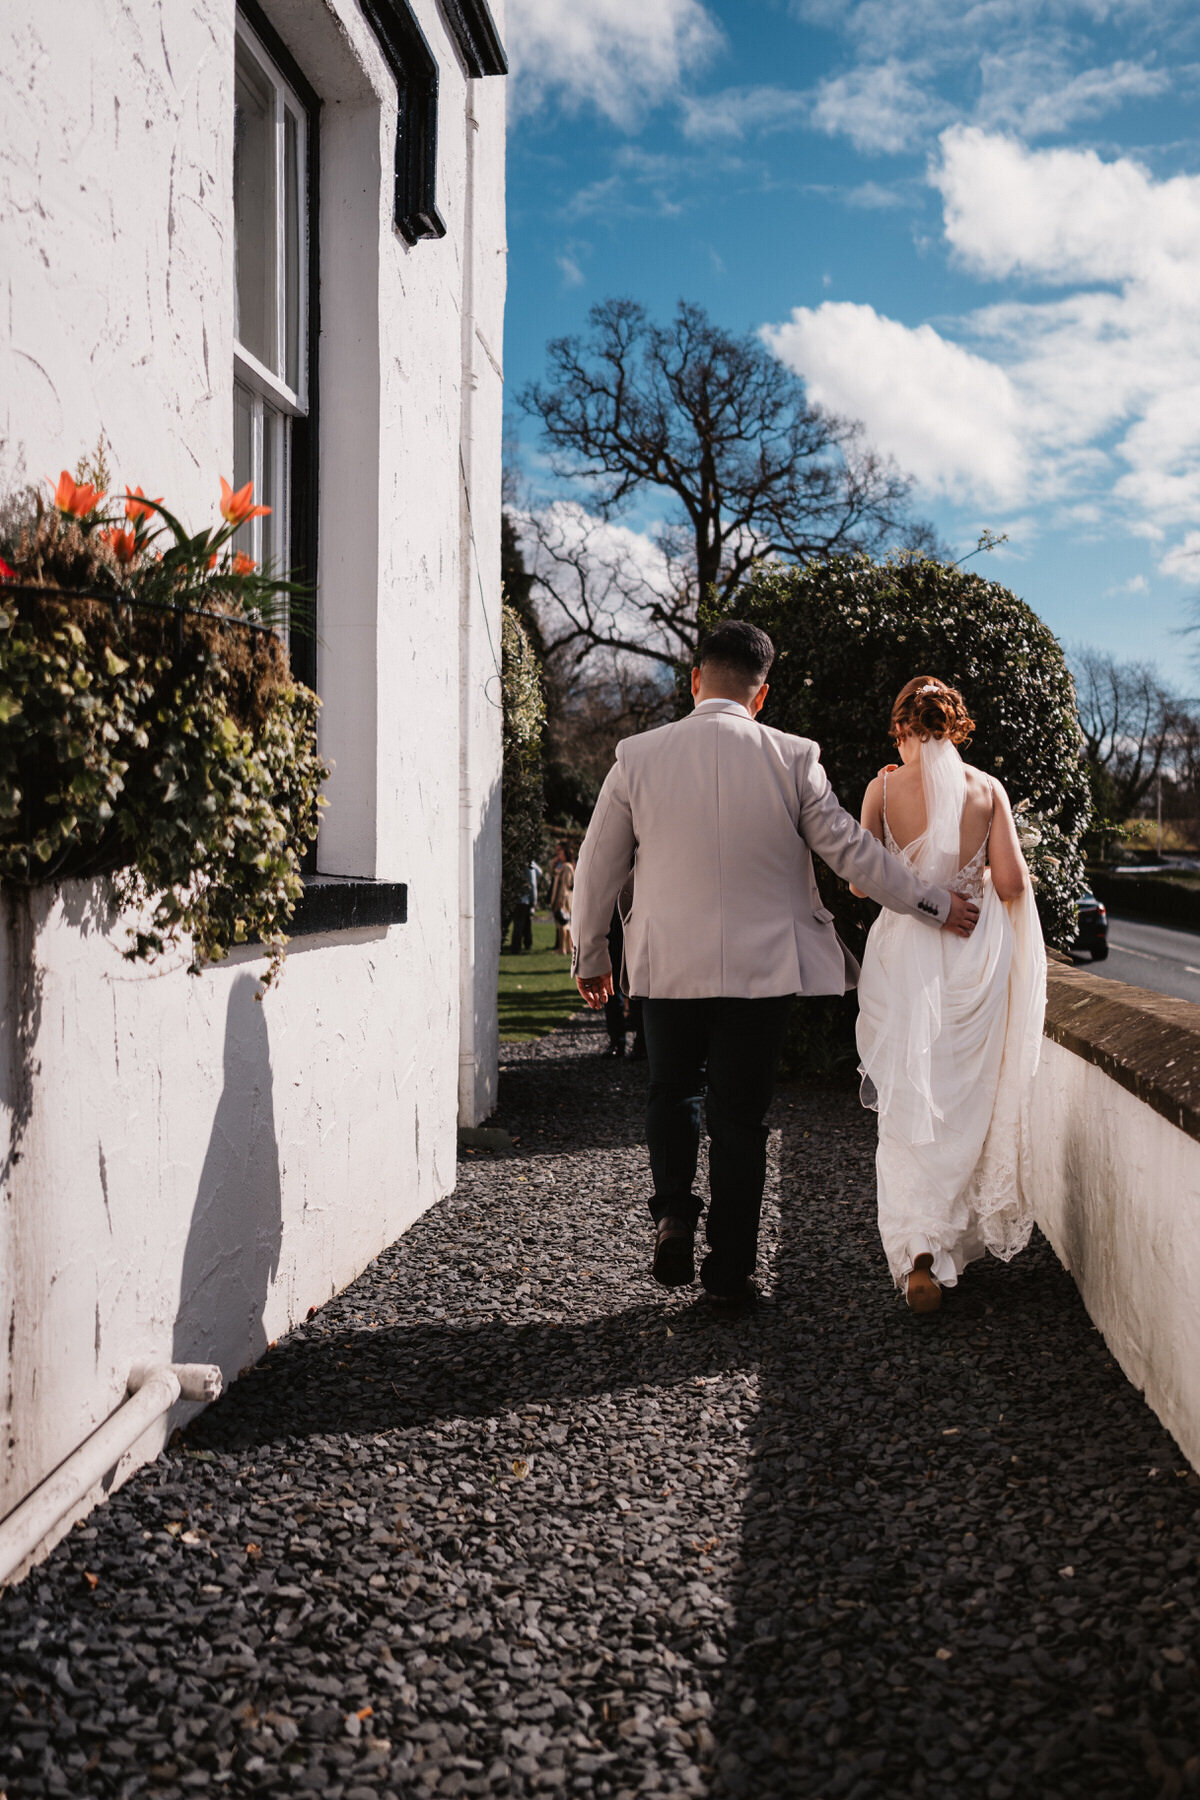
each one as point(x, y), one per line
point(948, 27)
point(1063, 216)
point(570, 270)
point(1085, 396)
point(951, 418)
point(622, 57)
point(642, 182)
point(1030, 89)
point(1021, 65)
point(1183, 561)
point(733, 112)
point(873, 196)
point(882, 107)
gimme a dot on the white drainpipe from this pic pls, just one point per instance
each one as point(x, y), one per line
point(153, 1389)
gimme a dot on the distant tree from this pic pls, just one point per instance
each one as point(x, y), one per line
point(592, 713)
point(588, 707)
point(1134, 728)
point(720, 432)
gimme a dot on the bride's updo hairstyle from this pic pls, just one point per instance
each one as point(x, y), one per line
point(930, 709)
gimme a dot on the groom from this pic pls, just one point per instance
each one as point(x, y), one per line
point(718, 817)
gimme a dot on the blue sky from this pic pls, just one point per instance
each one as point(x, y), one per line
point(976, 227)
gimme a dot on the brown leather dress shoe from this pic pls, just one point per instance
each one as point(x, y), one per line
point(674, 1262)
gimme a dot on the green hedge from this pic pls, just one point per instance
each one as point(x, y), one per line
point(521, 788)
point(1150, 897)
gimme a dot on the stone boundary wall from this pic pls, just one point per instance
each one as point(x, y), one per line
point(1116, 1150)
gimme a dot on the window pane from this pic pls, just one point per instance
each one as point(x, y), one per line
point(254, 209)
point(243, 436)
point(293, 226)
point(276, 533)
point(244, 405)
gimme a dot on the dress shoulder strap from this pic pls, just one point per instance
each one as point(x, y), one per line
point(992, 785)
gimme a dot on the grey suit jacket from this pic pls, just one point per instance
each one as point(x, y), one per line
point(718, 816)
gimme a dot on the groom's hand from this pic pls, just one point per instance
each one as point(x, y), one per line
point(596, 989)
point(961, 917)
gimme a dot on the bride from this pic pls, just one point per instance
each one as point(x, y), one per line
point(949, 1029)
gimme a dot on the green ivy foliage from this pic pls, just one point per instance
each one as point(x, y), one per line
point(164, 745)
point(849, 633)
point(132, 765)
point(522, 795)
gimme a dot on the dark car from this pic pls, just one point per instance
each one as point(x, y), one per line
point(1093, 927)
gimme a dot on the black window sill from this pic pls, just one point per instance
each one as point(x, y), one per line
point(342, 903)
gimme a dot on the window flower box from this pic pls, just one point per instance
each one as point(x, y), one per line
point(151, 729)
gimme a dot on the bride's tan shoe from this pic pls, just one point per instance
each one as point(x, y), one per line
point(921, 1291)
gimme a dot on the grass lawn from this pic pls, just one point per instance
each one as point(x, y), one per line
point(537, 993)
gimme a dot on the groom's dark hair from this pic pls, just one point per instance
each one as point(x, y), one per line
point(738, 649)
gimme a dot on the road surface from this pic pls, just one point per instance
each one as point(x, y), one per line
point(1151, 956)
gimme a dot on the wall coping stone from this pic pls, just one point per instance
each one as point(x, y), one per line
point(1149, 1043)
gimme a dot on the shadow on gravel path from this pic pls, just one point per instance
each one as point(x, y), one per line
point(970, 1552)
point(503, 1520)
point(394, 1378)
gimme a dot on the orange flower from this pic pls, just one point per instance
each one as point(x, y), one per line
point(134, 509)
point(212, 561)
point(239, 507)
point(77, 499)
point(243, 564)
point(123, 544)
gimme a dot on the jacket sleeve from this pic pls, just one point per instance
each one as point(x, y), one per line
point(601, 872)
point(857, 855)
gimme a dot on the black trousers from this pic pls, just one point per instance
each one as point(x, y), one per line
point(724, 1052)
point(522, 931)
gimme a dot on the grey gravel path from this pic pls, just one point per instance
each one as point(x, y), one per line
point(504, 1519)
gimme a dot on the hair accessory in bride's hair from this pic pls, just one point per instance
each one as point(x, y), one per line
point(930, 707)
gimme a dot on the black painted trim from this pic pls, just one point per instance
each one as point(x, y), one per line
point(474, 31)
point(339, 903)
point(414, 66)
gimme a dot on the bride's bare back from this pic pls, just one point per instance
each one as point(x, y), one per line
point(985, 809)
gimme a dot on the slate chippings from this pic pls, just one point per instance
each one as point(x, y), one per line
point(505, 1519)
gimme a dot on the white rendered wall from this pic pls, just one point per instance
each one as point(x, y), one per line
point(197, 1168)
point(1119, 1199)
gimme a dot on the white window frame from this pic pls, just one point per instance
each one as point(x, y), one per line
point(272, 399)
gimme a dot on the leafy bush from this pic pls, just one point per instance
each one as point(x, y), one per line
point(849, 633)
point(522, 799)
point(150, 728)
point(1150, 897)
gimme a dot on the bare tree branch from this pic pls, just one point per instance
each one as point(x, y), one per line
point(724, 434)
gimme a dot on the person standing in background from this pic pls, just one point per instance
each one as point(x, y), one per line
point(622, 1011)
point(522, 931)
point(562, 883)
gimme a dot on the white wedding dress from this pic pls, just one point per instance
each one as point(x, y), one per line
point(949, 1036)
